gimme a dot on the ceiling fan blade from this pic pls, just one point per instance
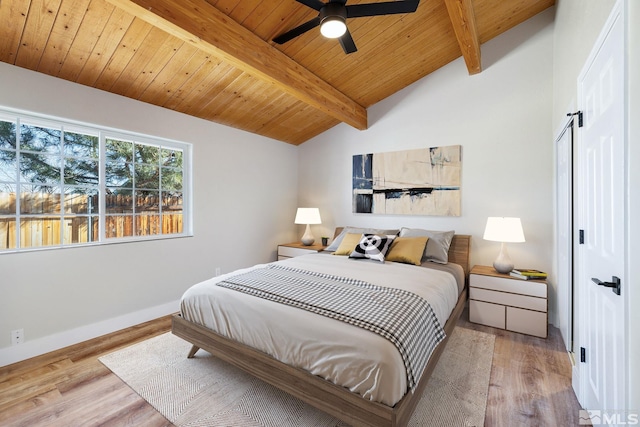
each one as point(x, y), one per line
point(383, 8)
point(313, 4)
point(300, 29)
point(347, 43)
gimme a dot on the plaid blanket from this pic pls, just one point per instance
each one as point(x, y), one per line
point(400, 316)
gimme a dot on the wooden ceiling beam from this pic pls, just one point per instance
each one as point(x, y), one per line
point(204, 26)
point(463, 20)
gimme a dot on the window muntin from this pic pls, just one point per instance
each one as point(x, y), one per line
point(56, 191)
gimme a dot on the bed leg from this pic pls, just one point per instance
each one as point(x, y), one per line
point(192, 352)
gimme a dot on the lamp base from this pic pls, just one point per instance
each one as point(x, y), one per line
point(503, 263)
point(307, 237)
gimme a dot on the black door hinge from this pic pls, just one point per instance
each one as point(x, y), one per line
point(583, 354)
point(579, 114)
point(581, 237)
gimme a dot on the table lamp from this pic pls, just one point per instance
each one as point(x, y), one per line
point(308, 216)
point(503, 230)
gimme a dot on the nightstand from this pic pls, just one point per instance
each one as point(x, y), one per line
point(290, 250)
point(506, 302)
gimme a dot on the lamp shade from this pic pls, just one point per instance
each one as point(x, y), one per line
point(503, 229)
point(308, 216)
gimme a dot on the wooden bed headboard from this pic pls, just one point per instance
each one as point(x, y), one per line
point(459, 250)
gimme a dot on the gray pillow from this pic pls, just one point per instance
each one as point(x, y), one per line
point(437, 249)
point(336, 242)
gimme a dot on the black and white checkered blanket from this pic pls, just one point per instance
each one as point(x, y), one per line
point(402, 317)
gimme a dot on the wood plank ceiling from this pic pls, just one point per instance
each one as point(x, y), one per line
point(214, 59)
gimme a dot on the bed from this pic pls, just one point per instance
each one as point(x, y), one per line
point(309, 361)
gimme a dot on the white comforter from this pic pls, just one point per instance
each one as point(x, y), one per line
point(344, 354)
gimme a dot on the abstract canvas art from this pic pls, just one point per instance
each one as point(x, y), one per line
point(423, 181)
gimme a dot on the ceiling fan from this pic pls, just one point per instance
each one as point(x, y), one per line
point(332, 18)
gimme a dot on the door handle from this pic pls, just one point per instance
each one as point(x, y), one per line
point(614, 284)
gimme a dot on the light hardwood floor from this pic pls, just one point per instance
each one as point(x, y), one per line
point(530, 384)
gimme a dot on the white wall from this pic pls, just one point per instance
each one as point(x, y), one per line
point(578, 24)
point(502, 119)
point(245, 191)
point(633, 210)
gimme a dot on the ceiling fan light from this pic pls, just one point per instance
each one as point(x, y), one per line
point(333, 27)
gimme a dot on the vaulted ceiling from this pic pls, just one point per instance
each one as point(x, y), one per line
point(215, 59)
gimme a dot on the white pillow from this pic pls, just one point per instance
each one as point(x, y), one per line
point(437, 249)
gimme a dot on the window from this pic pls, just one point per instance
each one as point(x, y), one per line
point(62, 184)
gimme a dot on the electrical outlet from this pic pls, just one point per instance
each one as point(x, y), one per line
point(217, 271)
point(17, 336)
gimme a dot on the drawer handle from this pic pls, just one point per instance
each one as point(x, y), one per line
point(614, 284)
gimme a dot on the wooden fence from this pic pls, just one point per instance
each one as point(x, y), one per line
point(80, 224)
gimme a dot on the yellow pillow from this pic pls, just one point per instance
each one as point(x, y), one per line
point(348, 244)
point(408, 250)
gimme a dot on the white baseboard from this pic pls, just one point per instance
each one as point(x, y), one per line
point(37, 347)
point(575, 383)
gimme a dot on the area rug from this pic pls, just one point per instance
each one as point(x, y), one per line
point(206, 391)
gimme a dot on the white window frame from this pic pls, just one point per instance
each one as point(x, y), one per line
point(102, 133)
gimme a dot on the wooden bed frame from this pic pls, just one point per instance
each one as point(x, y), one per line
point(316, 391)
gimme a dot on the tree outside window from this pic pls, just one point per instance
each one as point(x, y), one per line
point(51, 193)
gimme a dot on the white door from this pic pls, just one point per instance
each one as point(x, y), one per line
point(601, 189)
point(564, 221)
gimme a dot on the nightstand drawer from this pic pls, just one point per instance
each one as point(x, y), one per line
point(487, 314)
point(505, 298)
point(515, 286)
point(527, 322)
point(288, 252)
